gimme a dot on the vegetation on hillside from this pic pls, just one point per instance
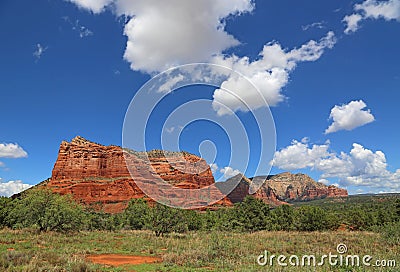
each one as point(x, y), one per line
point(35, 238)
point(46, 211)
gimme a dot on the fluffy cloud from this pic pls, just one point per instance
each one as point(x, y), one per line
point(372, 9)
point(12, 151)
point(168, 86)
point(214, 167)
point(269, 73)
point(361, 166)
point(298, 155)
point(229, 172)
point(12, 187)
point(349, 116)
point(96, 6)
point(352, 23)
point(163, 34)
point(324, 181)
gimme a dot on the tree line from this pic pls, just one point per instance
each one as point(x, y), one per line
point(46, 211)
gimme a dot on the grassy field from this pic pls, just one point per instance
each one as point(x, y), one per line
point(24, 250)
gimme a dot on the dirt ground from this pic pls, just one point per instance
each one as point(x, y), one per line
point(118, 260)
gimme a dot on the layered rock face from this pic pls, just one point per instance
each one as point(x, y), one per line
point(97, 174)
point(101, 176)
point(300, 187)
point(241, 190)
point(281, 189)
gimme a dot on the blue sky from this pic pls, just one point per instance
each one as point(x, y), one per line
point(66, 70)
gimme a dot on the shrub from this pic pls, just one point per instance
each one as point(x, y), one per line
point(282, 218)
point(391, 233)
point(164, 219)
point(136, 215)
point(309, 218)
point(5, 205)
point(252, 214)
point(46, 211)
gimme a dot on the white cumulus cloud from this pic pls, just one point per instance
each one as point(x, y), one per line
point(12, 187)
point(229, 172)
point(12, 151)
point(163, 34)
point(352, 22)
point(96, 6)
point(168, 86)
point(214, 167)
point(372, 9)
point(299, 155)
point(269, 73)
point(349, 116)
point(360, 167)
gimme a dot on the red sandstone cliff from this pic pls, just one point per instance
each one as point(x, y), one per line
point(241, 186)
point(280, 189)
point(97, 174)
point(301, 187)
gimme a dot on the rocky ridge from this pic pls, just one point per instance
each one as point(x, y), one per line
point(281, 188)
point(98, 175)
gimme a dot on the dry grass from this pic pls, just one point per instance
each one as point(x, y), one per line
point(197, 251)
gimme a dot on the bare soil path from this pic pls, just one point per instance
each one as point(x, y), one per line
point(118, 260)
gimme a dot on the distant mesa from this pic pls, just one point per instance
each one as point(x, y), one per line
point(97, 175)
point(282, 189)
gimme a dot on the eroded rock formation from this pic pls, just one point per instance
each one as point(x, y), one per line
point(97, 174)
point(301, 187)
point(280, 189)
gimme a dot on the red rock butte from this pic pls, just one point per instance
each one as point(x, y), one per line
point(98, 175)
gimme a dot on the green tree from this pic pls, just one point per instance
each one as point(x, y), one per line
point(114, 222)
point(310, 218)
point(96, 220)
point(164, 219)
point(46, 211)
point(136, 215)
point(397, 205)
point(5, 205)
point(282, 218)
point(208, 220)
point(193, 220)
point(359, 219)
point(228, 219)
point(252, 214)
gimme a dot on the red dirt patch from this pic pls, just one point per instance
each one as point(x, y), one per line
point(117, 260)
